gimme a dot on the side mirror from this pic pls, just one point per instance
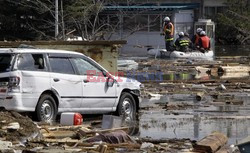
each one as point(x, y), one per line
point(110, 81)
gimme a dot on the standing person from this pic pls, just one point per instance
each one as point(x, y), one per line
point(196, 37)
point(168, 31)
point(203, 42)
point(182, 43)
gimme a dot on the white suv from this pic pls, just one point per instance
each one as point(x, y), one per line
point(49, 82)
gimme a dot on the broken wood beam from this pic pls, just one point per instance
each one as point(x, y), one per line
point(60, 134)
point(211, 143)
point(107, 130)
point(234, 69)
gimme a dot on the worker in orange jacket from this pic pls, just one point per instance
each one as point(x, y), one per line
point(203, 42)
point(196, 37)
point(168, 31)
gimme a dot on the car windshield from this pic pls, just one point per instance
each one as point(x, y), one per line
point(5, 62)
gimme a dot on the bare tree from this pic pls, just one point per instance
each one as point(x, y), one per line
point(45, 10)
point(85, 18)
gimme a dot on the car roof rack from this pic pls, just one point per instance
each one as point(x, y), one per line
point(26, 46)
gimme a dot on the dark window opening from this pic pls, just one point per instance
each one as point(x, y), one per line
point(5, 62)
point(32, 62)
point(61, 65)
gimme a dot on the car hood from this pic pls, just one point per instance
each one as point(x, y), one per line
point(128, 82)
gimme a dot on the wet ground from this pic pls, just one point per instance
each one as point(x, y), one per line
point(170, 108)
point(187, 118)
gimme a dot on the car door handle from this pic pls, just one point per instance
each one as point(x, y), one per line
point(56, 79)
point(85, 80)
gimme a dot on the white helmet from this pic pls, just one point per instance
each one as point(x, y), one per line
point(203, 33)
point(181, 34)
point(166, 19)
point(199, 30)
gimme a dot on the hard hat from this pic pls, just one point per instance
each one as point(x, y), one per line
point(203, 33)
point(166, 19)
point(181, 34)
point(186, 34)
point(199, 30)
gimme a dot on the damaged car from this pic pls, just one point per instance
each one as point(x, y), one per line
point(49, 82)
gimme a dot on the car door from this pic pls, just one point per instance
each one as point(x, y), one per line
point(34, 77)
point(66, 83)
point(97, 96)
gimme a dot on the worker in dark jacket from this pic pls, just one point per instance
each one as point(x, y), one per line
point(182, 43)
point(204, 42)
point(196, 37)
point(168, 31)
point(191, 45)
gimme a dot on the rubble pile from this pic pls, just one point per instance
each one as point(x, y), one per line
point(188, 92)
point(19, 133)
point(80, 138)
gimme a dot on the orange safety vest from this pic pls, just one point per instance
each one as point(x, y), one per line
point(196, 39)
point(171, 30)
point(205, 42)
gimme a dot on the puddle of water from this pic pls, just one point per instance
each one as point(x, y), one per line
point(196, 123)
point(159, 76)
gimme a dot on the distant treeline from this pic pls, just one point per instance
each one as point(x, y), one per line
point(35, 20)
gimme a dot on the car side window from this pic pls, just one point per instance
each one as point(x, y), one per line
point(61, 65)
point(84, 67)
point(32, 62)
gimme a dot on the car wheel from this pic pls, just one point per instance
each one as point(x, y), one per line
point(46, 109)
point(127, 107)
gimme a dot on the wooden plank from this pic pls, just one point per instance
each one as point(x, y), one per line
point(107, 130)
point(211, 143)
point(228, 102)
point(60, 134)
point(125, 145)
point(73, 127)
point(48, 140)
point(234, 69)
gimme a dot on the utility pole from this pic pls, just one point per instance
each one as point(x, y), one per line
point(56, 19)
point(63, 27)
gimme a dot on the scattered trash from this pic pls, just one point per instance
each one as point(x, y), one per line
point(13, 126)
point(126, 65)
point(114, 137)
point(221, 87)
point(70, 118)
point(110, 121)
point(199, 96)
point(172, 107)
point(147, 145)
point(5, 144)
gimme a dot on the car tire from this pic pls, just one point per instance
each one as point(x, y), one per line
point(126, 107)
point(46, 109)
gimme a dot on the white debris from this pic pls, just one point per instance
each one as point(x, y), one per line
point(13, 126)
point(125, 65)
point(5, 145)
point(221, 87)
point(147, 145)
